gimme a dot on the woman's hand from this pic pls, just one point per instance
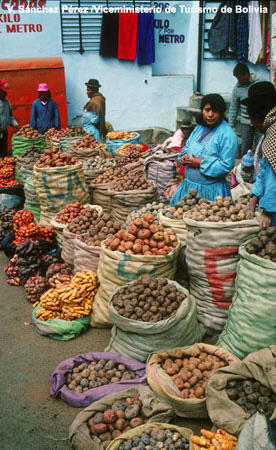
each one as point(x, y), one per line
point(251, 206)
point(264, 220)
point(194, 162)
point(183, 159)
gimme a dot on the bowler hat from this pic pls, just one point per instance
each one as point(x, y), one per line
point(93, 83)
point(187, 123)
point(260, 93)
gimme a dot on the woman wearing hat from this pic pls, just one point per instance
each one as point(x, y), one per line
point(245, 171)
point(209, 154)
point(93, 118)
point(261, 107)
point(44, 112)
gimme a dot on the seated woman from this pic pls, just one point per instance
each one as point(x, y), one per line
point(93, 117)
point(209, 154)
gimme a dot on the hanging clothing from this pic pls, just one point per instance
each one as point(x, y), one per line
point(267, 61)
point(127, 38)
point(255, 33)
point(242, 32)
point(109, 35)
point(264, 28)
point(44, 116)
point(145, 38)
point(222, 34)
point(95, 105)
point(90, 121)
point(217, 148)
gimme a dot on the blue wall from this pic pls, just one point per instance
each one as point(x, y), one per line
point(137, 96)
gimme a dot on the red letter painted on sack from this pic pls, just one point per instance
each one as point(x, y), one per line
point(215, 279)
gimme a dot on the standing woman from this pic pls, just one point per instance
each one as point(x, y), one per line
point(44, 112)
point(209, 154)
point(261, 107)
point(93, 118)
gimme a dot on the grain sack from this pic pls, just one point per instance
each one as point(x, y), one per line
point(123, 203)
point(256, 434)
point(68, 240)
point(223, 412)
point(212, 257)
point(240, 190)
point(86, 257)
point(251, 320)
point(84, 154)
point(21, 144)
point(99, 195)
point(113, 144)
point(31, 198)
point(160, 168)
point(162, 384)
point(58, 186)
point(138, 431)
point(25, 173)
point(154, 409)
point(116, 269)
point(137, 339)
point(177, 225)
point(65, 142)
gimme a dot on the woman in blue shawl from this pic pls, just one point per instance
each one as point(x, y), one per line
point(209, 154)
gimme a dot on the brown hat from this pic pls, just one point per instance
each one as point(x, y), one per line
point(187, 123)
point(260, 93)
point(92, 83)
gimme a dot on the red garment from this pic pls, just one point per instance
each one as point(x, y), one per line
point(127, 41)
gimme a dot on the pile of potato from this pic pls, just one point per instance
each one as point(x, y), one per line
point(86, 142)
point(153, 208)
point(29, 158)
point(73, 131)
point(251, 396)
point(34, 288)
point(70, 212)
point(6, 224)
point(222, 210)
point(69, 301)
point(11, 270)
point(60, 278)
point(126, 148)
point(57, 268)
point(214, 441)
point(130, 182)
point(89, 376)
point(52, 133)
point(264, 245)
point(191, 373)
point(130, 154)
point(143, 237)
point(188, 202)
point(88, 220)
point(110, 175)
point(121, 417)
point(148, 300)
point(100, 164)
point(55, 158)
point(103, 229)
point(114, 135)
point(28, 259)
point(27, 131)
point(155, 438)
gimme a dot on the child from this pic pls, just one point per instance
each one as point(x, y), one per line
point(245, 171)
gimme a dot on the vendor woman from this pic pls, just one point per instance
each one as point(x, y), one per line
point(209, 154)
point(93, 118)
point(261, 107)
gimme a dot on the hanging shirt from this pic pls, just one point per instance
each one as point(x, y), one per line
point(44, 117)
point(145, 38)
point(255, 33)
point(127, 41)
point(242, 32)
point(109, 35)
point(217, 148)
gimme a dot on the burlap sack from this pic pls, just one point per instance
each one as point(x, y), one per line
point(138, 431)
point(154, 409)
point(68, 240)
point(99, 195)
point(212, 257)
point(58, 186)
point(84, 154)
point(86, 257)
point(123, 203)
point(224, 413)
point(164, 387)
point(160, 168)
point(251, 321)
point(137, 339)
point(177, 225)
point(116, 269)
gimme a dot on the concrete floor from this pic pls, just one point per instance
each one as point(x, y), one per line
point(30, 419)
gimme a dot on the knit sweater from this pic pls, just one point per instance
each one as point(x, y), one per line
point(236, 110)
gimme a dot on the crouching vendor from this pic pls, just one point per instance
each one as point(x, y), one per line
point(209, 154)
point(261, 107)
